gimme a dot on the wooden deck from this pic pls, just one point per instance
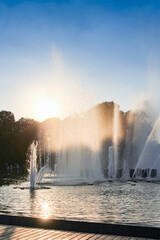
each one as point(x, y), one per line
point(23, 233)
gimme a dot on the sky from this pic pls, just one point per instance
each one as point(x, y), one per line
point(78, 53)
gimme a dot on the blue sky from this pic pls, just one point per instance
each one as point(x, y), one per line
point(78, 52)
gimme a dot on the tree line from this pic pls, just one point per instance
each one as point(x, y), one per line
point(15, 139)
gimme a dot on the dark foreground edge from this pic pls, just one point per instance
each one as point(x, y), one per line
point(86, 227)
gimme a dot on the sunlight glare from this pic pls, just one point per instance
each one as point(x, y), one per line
point(46, 108)
point(46, 211)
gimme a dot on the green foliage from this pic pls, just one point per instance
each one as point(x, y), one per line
point(15, 139)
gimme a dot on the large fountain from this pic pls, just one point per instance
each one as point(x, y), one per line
point(77, 153)
point(88, 150)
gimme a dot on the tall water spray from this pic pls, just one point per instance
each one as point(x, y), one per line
point(148, 164)
point(48, 162)
point(125, 171)
point(115, 139)
point(110, 165)
point(33, 164)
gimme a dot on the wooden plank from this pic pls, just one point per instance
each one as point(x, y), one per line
point(118, 238)
point(128, 238)
point(94, 237)
point(104, 237)
point(46, 234)
point(124, 238)
point(50, 235)
point(88, 236)
point(80, 236)
point(74, 236)
point(57, 236)
point(63, 235)
point(136, 238)
point(27, 235)
point(111, 237)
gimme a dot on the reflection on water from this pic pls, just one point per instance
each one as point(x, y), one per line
point(45, 210)
point(130, 203)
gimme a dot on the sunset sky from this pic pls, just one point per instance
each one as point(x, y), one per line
point(74, 54)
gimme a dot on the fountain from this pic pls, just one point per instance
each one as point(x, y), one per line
point(132, 152)
point(77, 158)
point(115, 140)
point(148, 164)
point(77, 152)
point(125, 174)
point(110, 165)
point(33, 164)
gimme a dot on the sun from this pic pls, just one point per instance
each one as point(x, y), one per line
point(46, 108)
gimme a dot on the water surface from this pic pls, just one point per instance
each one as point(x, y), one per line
point(112, 202)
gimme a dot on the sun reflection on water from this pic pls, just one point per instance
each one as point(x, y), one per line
point(45, 210)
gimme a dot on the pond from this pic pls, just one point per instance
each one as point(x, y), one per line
point(110, 202)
